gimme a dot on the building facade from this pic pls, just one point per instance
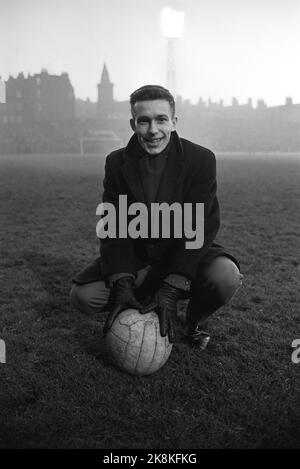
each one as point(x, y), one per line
point(38, 98)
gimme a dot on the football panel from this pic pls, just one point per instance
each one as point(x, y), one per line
point(162, 351)
point(148, 347)
point(133, 347)
point(115, 345)
point(129, 316)
point(120, 330)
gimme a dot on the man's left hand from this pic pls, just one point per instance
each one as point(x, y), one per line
point(164, 303)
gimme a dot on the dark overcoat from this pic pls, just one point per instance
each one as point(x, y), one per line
point(189, 177)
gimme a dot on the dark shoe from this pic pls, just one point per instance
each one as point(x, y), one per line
point(199, 338)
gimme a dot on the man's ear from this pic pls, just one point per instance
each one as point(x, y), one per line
point(174, 122)
point(132, 124)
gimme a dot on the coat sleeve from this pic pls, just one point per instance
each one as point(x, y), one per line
point(201, 186)
point(117, 254)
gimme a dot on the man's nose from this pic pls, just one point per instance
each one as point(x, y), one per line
point(153, 128)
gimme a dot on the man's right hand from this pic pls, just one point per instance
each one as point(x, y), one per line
point(164, 304)
point(123, 297)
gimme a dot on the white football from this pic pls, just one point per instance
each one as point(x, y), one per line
point(135, 344)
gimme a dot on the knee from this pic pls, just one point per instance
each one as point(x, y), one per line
point(80, 298)
point(77, 297)
point(90, 298)
point(225, 276)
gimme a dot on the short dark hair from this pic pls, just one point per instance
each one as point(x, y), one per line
point(150, 93)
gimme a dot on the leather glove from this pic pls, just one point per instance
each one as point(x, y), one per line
point(123, 297)
point(164, 303)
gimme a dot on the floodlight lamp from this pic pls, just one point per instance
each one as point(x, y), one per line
point(172, 22)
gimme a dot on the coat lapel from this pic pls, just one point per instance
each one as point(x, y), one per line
point(172, 173)
point(130, 169)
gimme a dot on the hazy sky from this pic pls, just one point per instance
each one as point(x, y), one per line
point(230, 48)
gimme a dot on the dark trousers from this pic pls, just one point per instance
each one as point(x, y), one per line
point(217, 280)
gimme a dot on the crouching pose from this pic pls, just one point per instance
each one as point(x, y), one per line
point(155, 269)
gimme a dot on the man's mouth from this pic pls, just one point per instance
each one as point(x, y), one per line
point(153, 140)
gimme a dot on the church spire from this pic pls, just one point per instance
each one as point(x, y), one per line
point(105, 94)
point(105, 75)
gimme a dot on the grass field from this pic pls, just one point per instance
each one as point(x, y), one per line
point(58, 388)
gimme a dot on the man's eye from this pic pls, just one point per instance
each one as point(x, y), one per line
point(162, 119)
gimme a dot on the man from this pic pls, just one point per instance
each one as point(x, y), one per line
point(156, 272)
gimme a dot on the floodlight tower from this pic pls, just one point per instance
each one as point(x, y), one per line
point(172, 23)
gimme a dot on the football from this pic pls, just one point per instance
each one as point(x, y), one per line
point(135, 344)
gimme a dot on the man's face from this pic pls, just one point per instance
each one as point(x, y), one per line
point(153, 123)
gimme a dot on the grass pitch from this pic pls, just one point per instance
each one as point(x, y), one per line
point(58, 389)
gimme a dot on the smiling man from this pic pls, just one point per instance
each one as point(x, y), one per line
point(153, 122)
point(159, 167)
